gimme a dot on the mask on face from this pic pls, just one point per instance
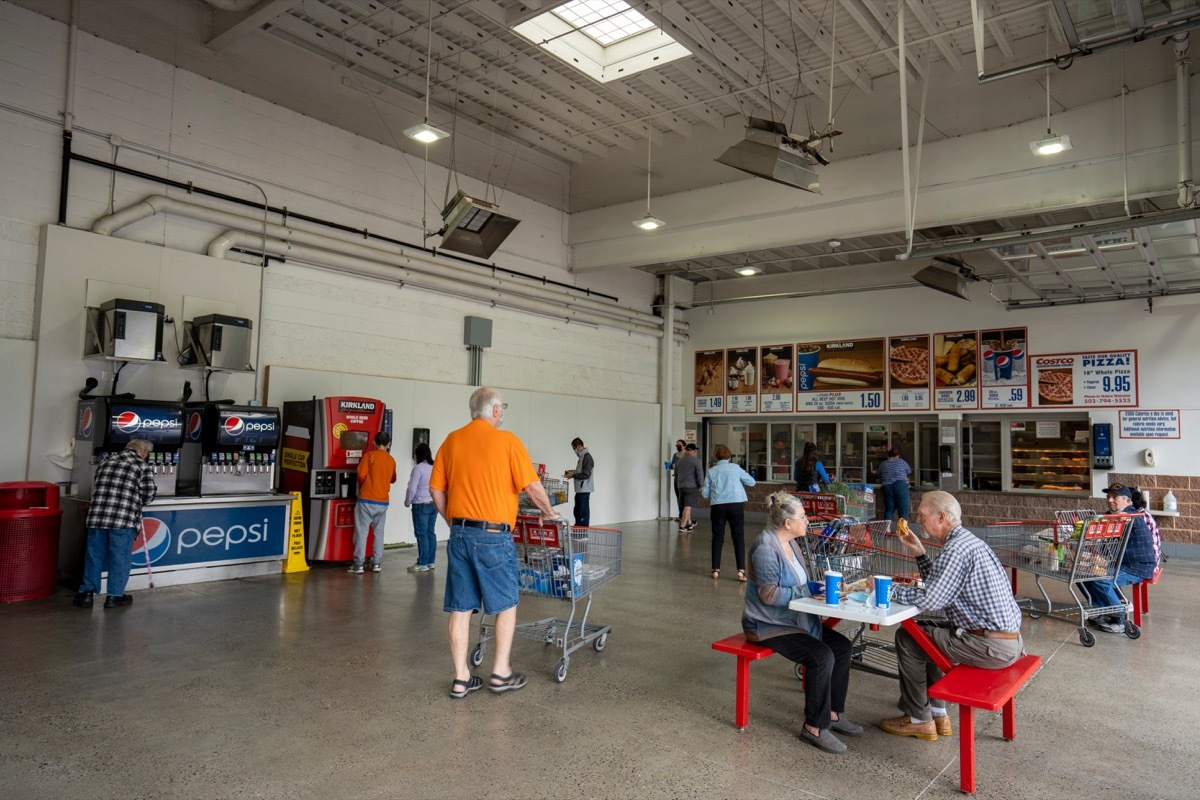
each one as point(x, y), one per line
point(678, 448)
point(574, 452)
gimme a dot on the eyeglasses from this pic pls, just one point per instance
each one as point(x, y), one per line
point(504, 406)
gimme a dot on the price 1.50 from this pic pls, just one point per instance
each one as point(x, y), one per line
point(871, 399)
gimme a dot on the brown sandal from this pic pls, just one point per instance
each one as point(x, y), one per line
point(742, 575)
point(716, 573)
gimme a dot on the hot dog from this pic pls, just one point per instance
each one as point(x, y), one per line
point(845, 372)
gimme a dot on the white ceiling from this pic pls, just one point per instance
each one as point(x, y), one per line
point(361, 65)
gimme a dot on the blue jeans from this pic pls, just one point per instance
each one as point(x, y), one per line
point(895, 498)
point(481, 571)
point(1103, 594)
point(424, 515)
point(111, 549)
point(367, 516)
point(583, 509)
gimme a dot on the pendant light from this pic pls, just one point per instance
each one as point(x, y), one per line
point(1049, 144)
point(649, 222)
point(426, 133)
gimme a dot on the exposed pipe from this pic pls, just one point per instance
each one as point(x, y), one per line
point(68, 114)
point(1062, 62)
point(1183, 111)
point(395, 271)
point(416, 259)
point(233, 5)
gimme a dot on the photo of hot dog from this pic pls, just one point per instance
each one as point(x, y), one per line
point(846, 372)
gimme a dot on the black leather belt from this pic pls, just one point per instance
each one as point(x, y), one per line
point(494, 527)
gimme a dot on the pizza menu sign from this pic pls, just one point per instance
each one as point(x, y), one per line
point(1073, 380)
point(960, 370)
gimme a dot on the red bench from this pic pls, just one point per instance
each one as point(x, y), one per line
point(987, 689)
point(746, 652)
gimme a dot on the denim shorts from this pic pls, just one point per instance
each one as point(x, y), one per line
point(482, 571)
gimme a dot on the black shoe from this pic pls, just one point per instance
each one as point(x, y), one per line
point(83, 600)
point(116, 602)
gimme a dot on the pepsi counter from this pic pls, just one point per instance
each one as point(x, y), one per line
point(216, 515)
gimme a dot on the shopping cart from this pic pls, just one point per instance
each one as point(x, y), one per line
point(859, 550)
point(1072, 552)
point(556, 560)
point(556, 491)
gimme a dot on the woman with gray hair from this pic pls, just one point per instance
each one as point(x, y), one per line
point(777, 576)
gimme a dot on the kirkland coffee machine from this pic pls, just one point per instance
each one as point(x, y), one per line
point(228, 449)
point(104, 425)
point(324, 441)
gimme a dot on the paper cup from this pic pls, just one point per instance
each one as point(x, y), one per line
point(883, 591)
point(806, 358)
point(833, 588)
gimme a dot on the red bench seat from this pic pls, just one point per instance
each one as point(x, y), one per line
point(987, 689)
point(746, 652)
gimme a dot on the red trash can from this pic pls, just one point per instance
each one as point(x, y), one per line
point(29, 526)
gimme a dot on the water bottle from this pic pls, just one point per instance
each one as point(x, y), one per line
point(1169, 501)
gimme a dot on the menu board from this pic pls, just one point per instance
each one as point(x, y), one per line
point(1096, 380)
point(955, 370)
point(908, 373)
point(1004, 377)
point(840, 376)
point(741, 378)
point(709, 382)
point(775, 379)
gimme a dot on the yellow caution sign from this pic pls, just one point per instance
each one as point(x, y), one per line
point(295, 561)
point(294, 459)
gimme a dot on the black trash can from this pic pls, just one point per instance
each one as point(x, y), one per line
point(29, 527)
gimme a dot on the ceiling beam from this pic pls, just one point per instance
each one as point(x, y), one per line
point(778, 52)
point(862, 12)
point(1102, 263)
point(1151, 255)
point(818, 33)
point(229, 26)
point(1053, 266)
point(996, 27)
point(932, 24)
point(660, 83)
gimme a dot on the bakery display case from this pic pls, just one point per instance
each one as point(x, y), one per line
point(1051, 455)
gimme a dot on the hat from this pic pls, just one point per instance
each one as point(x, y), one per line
point(1119, 489)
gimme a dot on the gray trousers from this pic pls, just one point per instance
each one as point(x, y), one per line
point(917, 670)
point(367, 515)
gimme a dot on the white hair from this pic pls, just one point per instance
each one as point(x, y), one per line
point(484, 401)
point(944, 502)
point(144, 447)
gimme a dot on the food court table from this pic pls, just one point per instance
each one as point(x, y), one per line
point(859, 612)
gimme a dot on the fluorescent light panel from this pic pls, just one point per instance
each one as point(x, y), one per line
point(649, 222)
point(425, 133)
point(1050, 145)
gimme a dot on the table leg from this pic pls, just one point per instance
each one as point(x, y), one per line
point(1010, 719)
point(927, 644)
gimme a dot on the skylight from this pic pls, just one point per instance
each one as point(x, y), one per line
point(606, 21)
point(604, 39)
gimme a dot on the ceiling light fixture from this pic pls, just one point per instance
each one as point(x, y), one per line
point(426, 133)
point(835, 243)
point(748, 270)
point(1050, 144)
point(649, 222)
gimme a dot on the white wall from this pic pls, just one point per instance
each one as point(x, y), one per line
point(1165, 339)
point(627, 460)
point(16, 365)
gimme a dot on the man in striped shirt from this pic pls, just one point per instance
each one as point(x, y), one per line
point(983, 626)
point(124, 483)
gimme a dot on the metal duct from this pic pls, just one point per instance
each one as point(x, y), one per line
point(418, 260)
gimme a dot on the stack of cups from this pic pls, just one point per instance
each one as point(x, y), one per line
point(833, 587)
point(883, 590)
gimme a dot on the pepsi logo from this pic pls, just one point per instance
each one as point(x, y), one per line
point(234, 425)
point(193, 428)
point(86, 420)
point(128, 422)
point(151, 543)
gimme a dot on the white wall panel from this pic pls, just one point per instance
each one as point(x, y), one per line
point(16, 365)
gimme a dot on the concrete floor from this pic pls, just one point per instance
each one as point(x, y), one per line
point(327, 685)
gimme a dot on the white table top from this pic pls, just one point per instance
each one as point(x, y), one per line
point(854, 611)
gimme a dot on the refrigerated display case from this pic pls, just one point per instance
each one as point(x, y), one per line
point(981, 467)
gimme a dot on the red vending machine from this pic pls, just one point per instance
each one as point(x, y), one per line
point(323, 441)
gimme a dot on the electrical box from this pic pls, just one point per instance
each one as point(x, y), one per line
point(477, 332)
point(219, 341)
point(125, 330)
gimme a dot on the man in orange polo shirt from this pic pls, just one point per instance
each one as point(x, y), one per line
point(477, 477)
point(376, 474)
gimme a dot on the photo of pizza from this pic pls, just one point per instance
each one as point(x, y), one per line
point(1055, 386)
point(910, 365)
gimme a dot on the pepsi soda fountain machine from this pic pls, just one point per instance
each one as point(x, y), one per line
point(103, 426)
point(228, 449)
point(324, 439)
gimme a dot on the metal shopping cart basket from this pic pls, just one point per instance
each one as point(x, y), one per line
point(556, 560)
point(1072, 552)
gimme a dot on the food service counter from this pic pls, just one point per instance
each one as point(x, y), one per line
point(191, 539)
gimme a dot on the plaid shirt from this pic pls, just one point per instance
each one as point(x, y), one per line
point(967, 581)
point(124, 483)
